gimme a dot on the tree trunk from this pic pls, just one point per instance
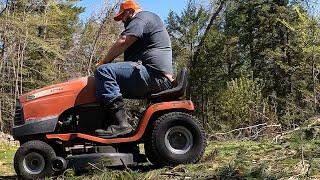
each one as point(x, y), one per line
point(212, 19)
point(1, 122)
point(314, 78)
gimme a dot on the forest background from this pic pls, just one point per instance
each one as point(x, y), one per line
point(251, 62)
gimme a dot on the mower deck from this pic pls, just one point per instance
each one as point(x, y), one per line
point(86, 161)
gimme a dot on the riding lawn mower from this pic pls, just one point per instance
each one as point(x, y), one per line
point(56, 127)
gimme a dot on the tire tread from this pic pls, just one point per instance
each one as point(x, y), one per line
point(38, 146)
point(151, 150)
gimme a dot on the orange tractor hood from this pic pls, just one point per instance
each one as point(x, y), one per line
point(53, 100)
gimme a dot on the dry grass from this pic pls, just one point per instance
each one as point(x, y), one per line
point(233, 160)
point(266, 159)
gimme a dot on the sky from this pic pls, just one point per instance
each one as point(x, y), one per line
point(160, 7)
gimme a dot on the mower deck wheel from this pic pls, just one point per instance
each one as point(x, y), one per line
point(33, 160)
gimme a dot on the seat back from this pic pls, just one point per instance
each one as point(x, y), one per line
point(181, 82)
point(178, 91)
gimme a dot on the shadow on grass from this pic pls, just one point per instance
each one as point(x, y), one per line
point(143, 168)
point(138, 168)
point(8, 177)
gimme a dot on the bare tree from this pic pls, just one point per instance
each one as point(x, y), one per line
point(109, 12)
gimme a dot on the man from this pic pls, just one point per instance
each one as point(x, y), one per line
point(147, 66)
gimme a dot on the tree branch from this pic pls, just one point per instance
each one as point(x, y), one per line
point(98, 35)
point(5, 7)
point(212, 19)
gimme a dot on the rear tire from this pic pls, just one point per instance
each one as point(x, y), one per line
point(175, 138)
point(33, 160)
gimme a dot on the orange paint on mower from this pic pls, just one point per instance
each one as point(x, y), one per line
point(54, 100)
point(182, 105)
point(56, 129)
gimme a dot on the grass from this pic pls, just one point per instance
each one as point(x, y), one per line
point(264, 159)
point(7, 150)
point(236, 160)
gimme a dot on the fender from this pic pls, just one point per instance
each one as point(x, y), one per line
point(185, 105)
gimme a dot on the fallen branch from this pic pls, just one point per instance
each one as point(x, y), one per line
point(95, 167)
point(250, 133)
point(125, 166)
point(285, 133)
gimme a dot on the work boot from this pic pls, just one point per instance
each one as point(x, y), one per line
point(120, 115)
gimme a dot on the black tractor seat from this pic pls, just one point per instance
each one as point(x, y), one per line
point(177, 92)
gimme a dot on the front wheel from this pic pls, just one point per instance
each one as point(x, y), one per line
point(33, 160)
point(176, 138)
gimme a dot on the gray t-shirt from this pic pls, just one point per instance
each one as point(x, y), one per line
point(153, 46)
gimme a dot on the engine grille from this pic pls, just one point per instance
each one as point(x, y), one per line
point(18, 117)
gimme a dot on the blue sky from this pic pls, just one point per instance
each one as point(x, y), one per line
point(160, 7)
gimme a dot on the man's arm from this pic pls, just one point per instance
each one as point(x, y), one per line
point(118, 48)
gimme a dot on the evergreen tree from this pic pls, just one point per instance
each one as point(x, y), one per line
point(267, 41)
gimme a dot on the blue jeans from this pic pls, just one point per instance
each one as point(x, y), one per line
point(131, 80)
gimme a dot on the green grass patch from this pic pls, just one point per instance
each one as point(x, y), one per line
point(265, 159)
point(233, 160)
point(7, 151)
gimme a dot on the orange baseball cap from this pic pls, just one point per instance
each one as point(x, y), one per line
point(128, 4)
